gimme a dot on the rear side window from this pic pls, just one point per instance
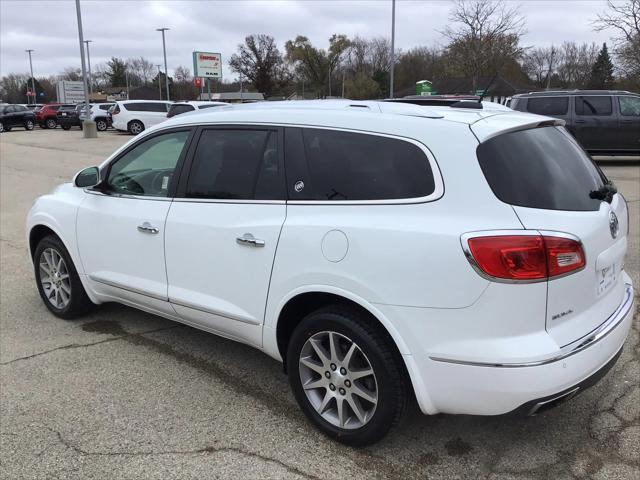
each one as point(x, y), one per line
point(548, 105)
point(157, 107)
point(236, 165)
point(335, 165)
point(105, 107)
point(629, 106)
point(540, 168)
point(136, 107)
point(178, 109)
point(593, 105)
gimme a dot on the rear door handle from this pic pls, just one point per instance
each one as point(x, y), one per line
point(249, 240)
point(580, 121)
point(146, 227)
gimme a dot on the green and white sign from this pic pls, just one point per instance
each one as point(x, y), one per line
point(424, 87)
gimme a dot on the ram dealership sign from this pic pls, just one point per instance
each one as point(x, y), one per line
point(70, 92)
point(207, 65)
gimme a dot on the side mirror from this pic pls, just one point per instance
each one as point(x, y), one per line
point(89, 177)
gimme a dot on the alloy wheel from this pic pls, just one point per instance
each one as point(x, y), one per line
point(54, 278)
point(338, 380)
point(101, 125)
point(51, 123)
point(136, 128)
point(29, 125)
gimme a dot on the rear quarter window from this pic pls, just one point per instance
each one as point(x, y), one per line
point(548, 105)
point(337, 166)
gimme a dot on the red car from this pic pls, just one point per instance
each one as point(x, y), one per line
point(46, 116)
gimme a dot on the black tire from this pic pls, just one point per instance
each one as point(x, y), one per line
point(66, 127)
point(7, 129)
point(51, 123)
point(2, 129)
point(29, 125)
point(79, 303)
point(383, 356)
point(135, 127)
point(101, 125)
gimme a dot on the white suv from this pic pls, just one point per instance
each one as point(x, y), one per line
point(134, 116)
point(473, 259)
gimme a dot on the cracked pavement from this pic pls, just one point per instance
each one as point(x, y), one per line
point(123, 394)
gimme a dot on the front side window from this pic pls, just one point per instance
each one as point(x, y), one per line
point(236, 165)
point(593, 105)
point(148, 168)
point(548, 105)
point(354, 166)
point(629, 106)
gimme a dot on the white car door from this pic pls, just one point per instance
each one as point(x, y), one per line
point(222, 235)
point(157, 113)
point(120, 223)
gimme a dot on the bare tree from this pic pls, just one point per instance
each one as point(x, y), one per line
point(541, 63)
point(73, 74)
point(624, 19)
point(575, 64)
point(485, 34)
point(141, 71)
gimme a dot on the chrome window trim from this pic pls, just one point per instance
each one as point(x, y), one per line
point(239, 201)
point(439, 187)
point(124, 195)
point(586, 341)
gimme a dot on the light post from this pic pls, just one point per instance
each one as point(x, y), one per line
point(159, 82)
point(393, 40)
point(88, 127)
point(89, 65)
point(164, 51)
point(33, 82)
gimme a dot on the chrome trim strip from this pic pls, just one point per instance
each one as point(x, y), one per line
point(133, 197)
point(127, 288)
point(213, 312)
point(217, 200)
point(570, 349)
point(464, 242)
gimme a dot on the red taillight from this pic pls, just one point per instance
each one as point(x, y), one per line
point(526, 257)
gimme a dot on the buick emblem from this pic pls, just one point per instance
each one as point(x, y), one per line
point(613, 224)
point(299, 186)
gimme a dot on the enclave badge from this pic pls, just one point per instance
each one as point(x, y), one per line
point(613, 224)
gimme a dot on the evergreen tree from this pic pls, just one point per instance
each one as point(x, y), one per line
point(602, 71)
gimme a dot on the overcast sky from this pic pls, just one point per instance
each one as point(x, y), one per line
point(127, 28)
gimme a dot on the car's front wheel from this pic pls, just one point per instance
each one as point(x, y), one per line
point(136, 127)
point(1, 127)
point(29, 125)
point(66, 127)
point(51, 123)
point(58, 281)
point(346, 375)
point(101, 125)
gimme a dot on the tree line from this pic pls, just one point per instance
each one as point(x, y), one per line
point(483, 38)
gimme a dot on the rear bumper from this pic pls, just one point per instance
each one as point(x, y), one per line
point(459, 387)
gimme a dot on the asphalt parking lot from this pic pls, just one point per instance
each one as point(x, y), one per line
point(124, 394)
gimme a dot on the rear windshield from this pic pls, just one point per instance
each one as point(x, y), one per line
point(540, 168)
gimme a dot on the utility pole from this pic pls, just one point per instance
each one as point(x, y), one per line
point(164, 51)
point(33, 82)
point(89, 65)
point(159, 82)
point(126, 77)
point(393, 41)
point(88, 127)
point(343, 84)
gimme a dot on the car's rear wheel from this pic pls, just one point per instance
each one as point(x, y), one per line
point(136, 127)
point(58, 281)
point(29, 125)
point(346, 375)
point(101, 125)
point(51, 123)
point(2, 129)
point(65, 127)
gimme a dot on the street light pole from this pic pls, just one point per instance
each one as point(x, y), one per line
point(89, 65)
point(393, 41)
point(89, 127)
point(164, 51)
point(159, 82)
point(33, 82)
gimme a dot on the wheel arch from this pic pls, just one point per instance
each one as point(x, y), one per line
point(301, 302)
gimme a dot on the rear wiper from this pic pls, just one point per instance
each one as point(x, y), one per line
point(606, 192)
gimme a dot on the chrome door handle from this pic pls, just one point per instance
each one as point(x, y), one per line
point(250, 240)
point(146, 227)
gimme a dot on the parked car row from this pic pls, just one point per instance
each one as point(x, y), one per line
point(133, 116)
